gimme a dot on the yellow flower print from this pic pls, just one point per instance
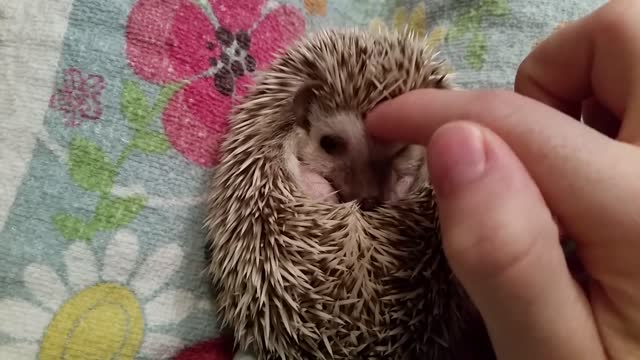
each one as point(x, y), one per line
point(316, 7)
point(377, 24)
point(415, 21)
point(99, 312)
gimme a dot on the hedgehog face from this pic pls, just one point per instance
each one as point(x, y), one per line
point(334, 146)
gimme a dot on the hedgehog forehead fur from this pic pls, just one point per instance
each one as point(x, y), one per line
point(357, 69)
point(297, 279)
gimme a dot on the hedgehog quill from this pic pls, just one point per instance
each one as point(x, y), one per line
point(322, 243)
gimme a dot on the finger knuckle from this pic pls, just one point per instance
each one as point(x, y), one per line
point(525, 73)
point(499, 247)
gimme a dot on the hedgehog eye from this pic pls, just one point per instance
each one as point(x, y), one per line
point(400, 151)
point(332, 145)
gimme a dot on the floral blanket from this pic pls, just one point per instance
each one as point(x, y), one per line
point(111, 114)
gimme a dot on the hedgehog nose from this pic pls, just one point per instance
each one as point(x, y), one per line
point(369, 203)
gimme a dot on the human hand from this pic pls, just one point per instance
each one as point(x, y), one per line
point(504, 164)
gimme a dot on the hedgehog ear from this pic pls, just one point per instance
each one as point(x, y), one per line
point(302, 99)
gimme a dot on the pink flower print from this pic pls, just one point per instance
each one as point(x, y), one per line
point(214, 45)
point(79, 97)
point(220, 348)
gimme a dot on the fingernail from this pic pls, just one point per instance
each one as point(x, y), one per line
point(456, 157)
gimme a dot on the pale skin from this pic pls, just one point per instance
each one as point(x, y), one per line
point(505, 164)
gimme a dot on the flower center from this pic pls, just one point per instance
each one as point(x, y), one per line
point(101, 322)
point(234, 60)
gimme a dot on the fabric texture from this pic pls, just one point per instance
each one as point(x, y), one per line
point(111, 114)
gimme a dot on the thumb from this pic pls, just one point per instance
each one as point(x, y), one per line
point(502, 243)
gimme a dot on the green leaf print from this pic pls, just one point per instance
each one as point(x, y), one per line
point(150, 142)
point(476, 51)
point(90, 167)
point(72, 228)
point(166, 93)
point(464, 24)
point(134, 105)
point(496, 7)
point(115, 212)
point(470, 24)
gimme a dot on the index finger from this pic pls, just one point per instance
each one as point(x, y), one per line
point(565, 158)
point(596, 56)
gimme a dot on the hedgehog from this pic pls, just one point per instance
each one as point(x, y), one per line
point(297, 275)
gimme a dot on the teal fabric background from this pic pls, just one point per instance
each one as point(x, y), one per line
point(67, 209)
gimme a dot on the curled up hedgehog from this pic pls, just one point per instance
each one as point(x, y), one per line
point(322, 242)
